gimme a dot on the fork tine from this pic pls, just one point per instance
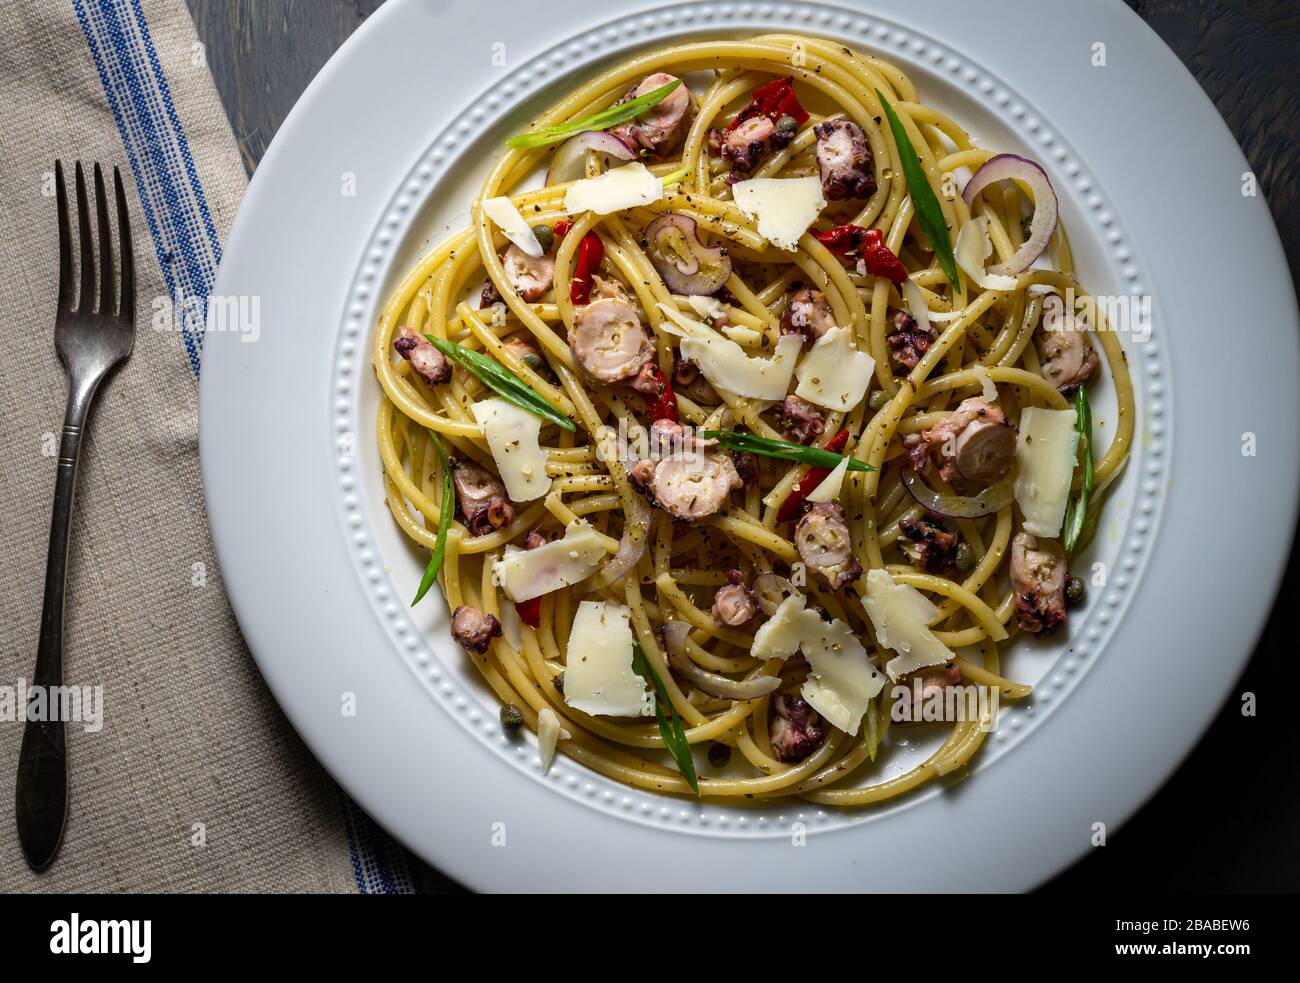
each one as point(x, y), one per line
point(105, 275)
point(127, 259)
point(65, 240)
point(87, 301)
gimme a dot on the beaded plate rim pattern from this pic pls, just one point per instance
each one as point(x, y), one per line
point(1090, 629)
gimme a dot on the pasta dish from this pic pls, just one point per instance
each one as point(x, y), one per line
point(748, 421)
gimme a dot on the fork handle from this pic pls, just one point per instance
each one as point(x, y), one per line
point(41, 799)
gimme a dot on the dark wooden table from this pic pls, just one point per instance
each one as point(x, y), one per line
point(1227, 820)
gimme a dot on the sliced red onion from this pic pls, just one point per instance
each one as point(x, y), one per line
point(1010, 167)
point(675, 633)
point(686, 264)
point(632, 546)
point(995, 498)
point(570, 161)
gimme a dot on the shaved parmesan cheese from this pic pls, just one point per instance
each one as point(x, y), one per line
point(981, 373)
point(1045, 457)
point(624, 187)
point(512, 437)
point(503, 212)
point(920, 311)
point(549, 733)
point(901, 616)
point(512, 627)
point(725, 364)
point(830, 486)
point(709, 307)
point(525, 574)
point(834, 374)
point(972, 250)
point(782, 207)
point(598, 674)
point(779, 636)
point(842, 681)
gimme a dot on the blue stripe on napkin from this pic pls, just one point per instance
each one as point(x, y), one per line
point(189, 251)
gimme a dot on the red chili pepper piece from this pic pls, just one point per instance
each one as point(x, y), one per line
point(590, 253)
point(530, 612)
point(561, 228)
point(664, 405)
point(852, 243)
point(815, 476)
point(773, 99)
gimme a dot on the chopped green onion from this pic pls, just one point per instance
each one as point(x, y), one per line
point(928, 213)
point(501, 381)
point(1076, 515)
point(766, 447)
point(446, 506)
point(670, 725)
point(603, 120)
point(674, 176)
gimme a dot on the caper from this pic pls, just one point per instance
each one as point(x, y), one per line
point(787, 126)
point(1075, 592)
point(545, 237)
point(512, 718)
point(965, 559)
point(878, 399)
point(719, 754)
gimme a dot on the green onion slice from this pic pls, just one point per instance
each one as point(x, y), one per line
point(501, 381)
point(445, 509)
point(620, 113)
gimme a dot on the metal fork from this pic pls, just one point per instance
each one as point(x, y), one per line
point(91, 338)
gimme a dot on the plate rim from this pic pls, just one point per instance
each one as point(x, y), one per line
point(242, 605)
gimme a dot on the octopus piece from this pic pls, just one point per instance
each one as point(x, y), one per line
point(793, 728)
point(474, 629)
point(734, 605)
point(481, 497)
point(1039, 571)
point(688, 381)
point(1068, 358)
point(429, 363)
point(609, 343)
point(527, 354)
point(808, 314)
point(822, 538)
point(489, 294)
point(746, 465)
point(800, 420)
point(843, 160)
point(907, 342)
point(660, 129)
point(749, 143)
point(932, 683)
point(974, 442)
point(929, 543)
point(530, 276)
point(688, 478)
point(695, 485)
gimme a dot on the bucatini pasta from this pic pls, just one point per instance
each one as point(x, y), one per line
point(755, 424)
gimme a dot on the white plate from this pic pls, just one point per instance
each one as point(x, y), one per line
point(1151, 186)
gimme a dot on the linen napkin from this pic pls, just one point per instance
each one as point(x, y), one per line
point(192, 780)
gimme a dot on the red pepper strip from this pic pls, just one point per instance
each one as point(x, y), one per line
point(852, 242)
point(561, 228)
point(773, 99)
point(663, 406)
point(815, 476)
point(590, 252)
point(530, 611)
